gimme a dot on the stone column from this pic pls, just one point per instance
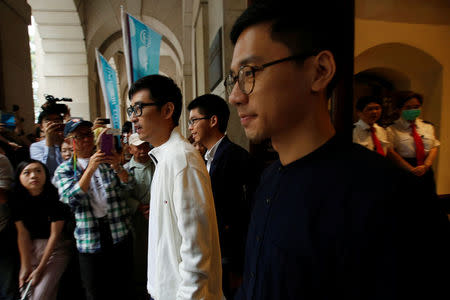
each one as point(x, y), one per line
point(15, 63)
point(63, 57)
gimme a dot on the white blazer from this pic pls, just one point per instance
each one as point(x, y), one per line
point(184, 259)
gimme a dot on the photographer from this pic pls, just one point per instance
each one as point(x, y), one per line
point(50, 120)
point(48, 150)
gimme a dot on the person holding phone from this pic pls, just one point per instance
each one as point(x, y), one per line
point(39, 218)
point(91, 183)
point(48, 149)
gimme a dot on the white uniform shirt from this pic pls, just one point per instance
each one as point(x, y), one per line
point(183, 253)
point(363, 136)
point(209, 155)
point(403, 141)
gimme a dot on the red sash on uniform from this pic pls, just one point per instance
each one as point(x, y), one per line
point(376, 142)
point(420, 150)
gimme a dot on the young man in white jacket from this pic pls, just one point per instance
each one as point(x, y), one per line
point(184, 254)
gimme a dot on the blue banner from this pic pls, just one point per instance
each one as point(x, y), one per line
point(108, 81)
point(145, 46)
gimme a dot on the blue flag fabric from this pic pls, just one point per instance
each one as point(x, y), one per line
point(145, 46)
point(108, 80)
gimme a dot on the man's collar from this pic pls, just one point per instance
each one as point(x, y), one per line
point(158, 152)
point(209, 155)
point(362, 124)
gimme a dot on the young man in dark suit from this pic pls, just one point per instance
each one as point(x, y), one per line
point(233, 179)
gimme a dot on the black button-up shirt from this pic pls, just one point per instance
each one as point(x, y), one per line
point(325, 227)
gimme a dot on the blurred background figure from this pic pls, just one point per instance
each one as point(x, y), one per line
point(9, 263)
point(39, 219)
point(142, 168)
point(13, 140)
point(66, 150)
point(366, 131)
point(127, 130)
point(197, 145)
point(99, 125)
point(48, 150)
point(415, 146)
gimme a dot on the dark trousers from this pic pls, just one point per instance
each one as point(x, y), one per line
point(231, 281)
point(9, 263)
point(108, 274)
point(426, 181)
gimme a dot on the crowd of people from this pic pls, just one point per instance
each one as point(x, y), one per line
point(162, 217)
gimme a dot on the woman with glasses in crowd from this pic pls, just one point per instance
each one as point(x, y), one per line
point(39, 217)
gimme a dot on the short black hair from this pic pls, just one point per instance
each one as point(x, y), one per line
point(212, 105)
point(401, 97)
point(45, 113)
point(312, 28)
point(162, 90)
point(364, 101)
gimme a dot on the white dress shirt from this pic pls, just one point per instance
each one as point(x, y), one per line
point(48, 155)
point(363, 136)
point(403, 141)
point(183, 253)
point(209, 155)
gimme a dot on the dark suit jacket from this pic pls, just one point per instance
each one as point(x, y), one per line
point(234, 177)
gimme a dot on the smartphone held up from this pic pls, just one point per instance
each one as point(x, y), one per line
point(106, 142)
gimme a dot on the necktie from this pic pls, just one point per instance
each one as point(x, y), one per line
point(376, 142)
point(420, 150)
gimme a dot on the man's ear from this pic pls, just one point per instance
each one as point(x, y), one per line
point(325, 68)
point(167, 110)
point(213, 121)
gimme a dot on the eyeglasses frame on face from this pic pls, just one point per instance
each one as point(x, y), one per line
point(132, 108)
point(192, 121)
point(230, 80)
point(83, 136)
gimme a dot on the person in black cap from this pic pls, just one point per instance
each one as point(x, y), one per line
point(91, 183)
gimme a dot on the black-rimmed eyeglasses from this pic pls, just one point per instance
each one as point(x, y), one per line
point(137, 108)
point(194, 120)
point(246, 74)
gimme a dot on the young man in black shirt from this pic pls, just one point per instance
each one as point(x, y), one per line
point(331, 219)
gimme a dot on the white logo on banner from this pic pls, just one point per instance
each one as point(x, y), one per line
point(142, 51)
point(132, 28)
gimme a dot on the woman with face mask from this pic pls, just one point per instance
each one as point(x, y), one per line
point(39, 217)
point(415, 146)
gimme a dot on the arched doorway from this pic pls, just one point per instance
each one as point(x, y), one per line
point(388, 67)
